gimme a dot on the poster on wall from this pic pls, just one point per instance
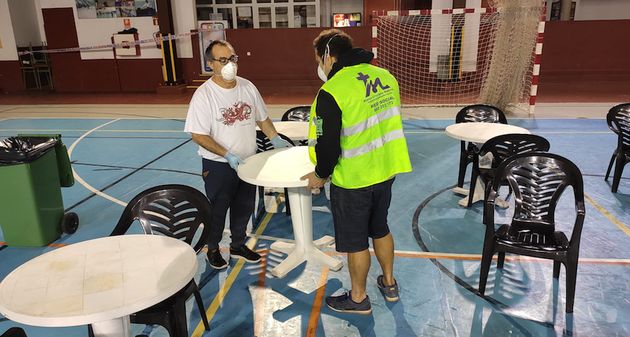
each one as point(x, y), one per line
point(97, 9)
point(208, 32)
point(346, 19)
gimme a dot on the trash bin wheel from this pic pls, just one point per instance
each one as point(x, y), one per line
point(69, 223)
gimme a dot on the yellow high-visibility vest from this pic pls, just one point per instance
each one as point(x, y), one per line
point(373, 146)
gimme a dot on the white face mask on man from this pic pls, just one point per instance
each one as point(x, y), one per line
point(228, 72)
point(321, 74)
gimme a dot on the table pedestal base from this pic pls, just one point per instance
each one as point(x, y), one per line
point(304, 249)
point(119, 327)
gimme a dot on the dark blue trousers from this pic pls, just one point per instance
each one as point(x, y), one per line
point(226, 190)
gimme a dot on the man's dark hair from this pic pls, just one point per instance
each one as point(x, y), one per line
point(338, 42)
point(208, 51)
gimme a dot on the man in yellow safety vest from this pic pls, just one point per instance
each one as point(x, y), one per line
point(356, 140)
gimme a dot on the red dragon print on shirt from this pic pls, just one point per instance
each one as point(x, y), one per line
point(238, 112)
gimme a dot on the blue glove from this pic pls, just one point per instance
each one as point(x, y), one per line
point(233, 160)
point(278, 142)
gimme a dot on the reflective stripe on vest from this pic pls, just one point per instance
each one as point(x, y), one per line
point(373, 145)
point(364, 125)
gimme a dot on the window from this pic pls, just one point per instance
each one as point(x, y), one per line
point(244, 19)
point(304, 16)
point(264, 17)
point(261, 13)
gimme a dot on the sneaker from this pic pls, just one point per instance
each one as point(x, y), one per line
point(344, 303)
point(243, 252)
point(389, 292)
point(216, 260)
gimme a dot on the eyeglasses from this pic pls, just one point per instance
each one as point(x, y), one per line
point(225, 60)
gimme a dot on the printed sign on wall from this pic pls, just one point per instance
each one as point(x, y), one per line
point(96, 9)
point(208, 32)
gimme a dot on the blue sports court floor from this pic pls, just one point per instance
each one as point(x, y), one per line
point(437, 242)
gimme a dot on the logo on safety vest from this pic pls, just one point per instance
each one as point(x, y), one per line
point(371, 86)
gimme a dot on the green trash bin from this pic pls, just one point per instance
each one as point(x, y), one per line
point(32, 171)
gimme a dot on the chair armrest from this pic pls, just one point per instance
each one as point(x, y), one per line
point(579, 222)
point(580, 209)
point(488, 214)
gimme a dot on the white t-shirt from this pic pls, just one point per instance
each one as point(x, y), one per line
point(228, 116)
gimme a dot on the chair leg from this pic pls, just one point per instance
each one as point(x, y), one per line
point(181, 321)
point(260, 208)
point(556, 269)
point(473, 182)
point(202, 309)
point(500, 260)
point(90, 331)
point(571, 271)
point(610, 165)
point(618, 171)
point(486, 259)
point(286, 202)
point(463, 163)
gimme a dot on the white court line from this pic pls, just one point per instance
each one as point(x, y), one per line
point(80, 180)
point(458, 256)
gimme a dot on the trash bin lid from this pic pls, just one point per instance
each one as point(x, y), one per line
point(20, 150)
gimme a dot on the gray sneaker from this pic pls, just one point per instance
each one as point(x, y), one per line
point(344, 303)
point(389, 292)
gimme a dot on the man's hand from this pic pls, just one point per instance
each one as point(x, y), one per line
point(278, 142)
point(313, 180)
point(233, 160)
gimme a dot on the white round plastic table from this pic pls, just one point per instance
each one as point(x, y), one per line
point(99, 282)
point(284, 168)
point(479, 133)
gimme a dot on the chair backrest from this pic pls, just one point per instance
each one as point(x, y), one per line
point(177, 211)
point(264, 144)
point(538, 179)
point(505, 146)
point(618, 119)
point(480, 113)
point(14, 332)
point(610, 116)
point(298, 113)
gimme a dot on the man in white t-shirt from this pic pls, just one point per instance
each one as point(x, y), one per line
point(222, 119)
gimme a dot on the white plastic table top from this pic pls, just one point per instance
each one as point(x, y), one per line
point(277, 168)
point(293, 129)
point(97, 280)
point(481, 132)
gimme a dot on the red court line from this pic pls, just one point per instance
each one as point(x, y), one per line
point(317, 304)
point(259, 317)
point(476, 257)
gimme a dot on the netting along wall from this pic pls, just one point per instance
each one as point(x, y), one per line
point(465, 56)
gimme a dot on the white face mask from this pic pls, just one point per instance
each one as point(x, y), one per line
point(228, 72)
point(321, 74)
